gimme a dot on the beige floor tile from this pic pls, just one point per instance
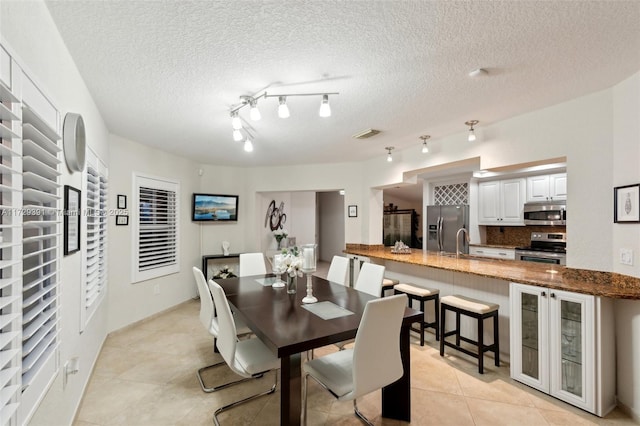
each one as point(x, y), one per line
point(492, 413)
point(146, 374)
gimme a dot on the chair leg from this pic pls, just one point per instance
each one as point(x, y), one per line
point(422, 323)
point(242, 401)
point(360, 415)
point(225, 385)
point(496, 340)
point(437, 302)
point(457, 328)
point(305, 386)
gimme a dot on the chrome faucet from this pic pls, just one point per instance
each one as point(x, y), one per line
point(466, 233)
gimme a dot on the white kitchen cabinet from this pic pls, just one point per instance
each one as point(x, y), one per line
point(501, 202)
point(560, 345)
point(547, 187)
point(493, 252)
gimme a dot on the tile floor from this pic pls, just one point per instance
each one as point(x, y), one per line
point(146, 375)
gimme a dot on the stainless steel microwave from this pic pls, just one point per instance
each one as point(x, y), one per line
point(545, 213)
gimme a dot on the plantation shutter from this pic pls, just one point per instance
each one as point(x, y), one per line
point(94, 268)
point(10, 247)
point(156, 228)
point(41, 231)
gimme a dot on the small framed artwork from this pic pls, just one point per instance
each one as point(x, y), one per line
point(626, 204)
point(353, 211)
point(122, 220)
point(71, 220)
point(122, 202)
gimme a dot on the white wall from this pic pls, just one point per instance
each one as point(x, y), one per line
point(128, 302)
point(30, 36)
point(331, 218)
point(626, 157)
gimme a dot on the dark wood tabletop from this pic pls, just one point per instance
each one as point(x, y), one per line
point(281, 322)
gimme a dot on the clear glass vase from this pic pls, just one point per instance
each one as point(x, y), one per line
point(292, 284)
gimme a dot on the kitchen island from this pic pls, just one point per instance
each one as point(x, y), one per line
point(542, 307)
point(597, 283)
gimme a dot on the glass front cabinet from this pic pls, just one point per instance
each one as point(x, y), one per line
point(556, 345)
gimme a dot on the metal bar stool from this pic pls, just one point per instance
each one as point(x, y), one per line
point(422, 295)
point(475, 309)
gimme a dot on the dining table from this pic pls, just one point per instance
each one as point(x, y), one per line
point(290, 328)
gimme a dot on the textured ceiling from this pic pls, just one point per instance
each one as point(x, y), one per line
point(166, 73)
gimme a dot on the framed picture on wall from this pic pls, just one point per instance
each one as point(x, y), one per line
point(71, 219)
point(353, 211)
point(626, 204)
point(122, 202)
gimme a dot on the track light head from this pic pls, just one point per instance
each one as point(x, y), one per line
point(325, 108)
point(248, 145)
point(254, 112)
point(283, 109)
point(235, 121)
point(237, 135)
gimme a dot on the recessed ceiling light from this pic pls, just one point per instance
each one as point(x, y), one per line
point(478, 72)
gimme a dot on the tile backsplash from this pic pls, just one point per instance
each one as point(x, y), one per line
point(516, 235)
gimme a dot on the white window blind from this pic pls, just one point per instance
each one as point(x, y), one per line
point(10, 252)
point(156, 227)
point(41, 231)
point(94, 251)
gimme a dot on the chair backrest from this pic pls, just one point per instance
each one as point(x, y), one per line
point(207, 309)
point(376, 354)
point(338, 270)
point(252, 264)
point(370, 279)
point(227, 335)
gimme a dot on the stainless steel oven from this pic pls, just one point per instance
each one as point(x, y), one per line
point(546, 247)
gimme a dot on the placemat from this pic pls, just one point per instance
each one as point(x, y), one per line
point(267, 281)
point(327, 310)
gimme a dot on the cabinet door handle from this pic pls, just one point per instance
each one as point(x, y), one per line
point(553, 295)
point(502, 254)
point(544, 294)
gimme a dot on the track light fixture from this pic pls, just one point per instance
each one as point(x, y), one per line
point(248, 145)
point(389, 149)
point(425, 147)
point(472, 135)
point(283, 109)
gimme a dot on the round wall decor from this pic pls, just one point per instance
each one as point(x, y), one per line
point(74, 142)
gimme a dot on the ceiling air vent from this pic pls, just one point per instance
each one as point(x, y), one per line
point(366, 134)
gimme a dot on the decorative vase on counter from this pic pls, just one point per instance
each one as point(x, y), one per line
point(292, 284)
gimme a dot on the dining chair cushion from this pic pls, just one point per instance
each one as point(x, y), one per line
point(338, 270)
point(255, 357)
point(335, 371)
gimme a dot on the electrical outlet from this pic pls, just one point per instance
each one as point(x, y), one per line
point(626, 256)
point(156, 289)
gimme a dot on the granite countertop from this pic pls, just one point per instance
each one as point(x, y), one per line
point(605, 284)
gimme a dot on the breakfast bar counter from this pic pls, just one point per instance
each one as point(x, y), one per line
point(597, 283)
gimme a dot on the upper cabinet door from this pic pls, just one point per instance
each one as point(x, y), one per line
point(558, 186)
point(489, 203)
point(547, 187)
point(501, 202)
point(513, 195)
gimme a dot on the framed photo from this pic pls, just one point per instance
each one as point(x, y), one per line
point(353, 211)
point(626, 204)
point(122, 202)
point(122, 220)
point(71, 219)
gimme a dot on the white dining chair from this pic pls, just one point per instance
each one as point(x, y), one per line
point(338, 270)
point(249, 358)
point(252, 264)
point(373, 363)
point(210, 322)
point(369, 281)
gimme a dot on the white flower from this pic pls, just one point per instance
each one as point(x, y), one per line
point(292, 265)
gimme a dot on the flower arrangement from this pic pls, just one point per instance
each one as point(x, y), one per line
point(225, 272)
point(292, 262)
point(280, 234)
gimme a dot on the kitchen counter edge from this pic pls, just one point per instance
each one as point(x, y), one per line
point(597, 283)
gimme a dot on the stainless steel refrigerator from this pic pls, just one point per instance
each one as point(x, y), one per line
point(443, 222)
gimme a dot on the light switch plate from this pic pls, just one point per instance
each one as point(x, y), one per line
point(626, 256)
